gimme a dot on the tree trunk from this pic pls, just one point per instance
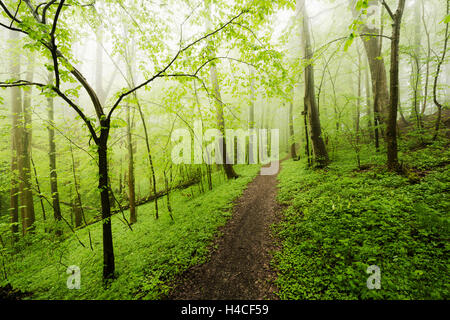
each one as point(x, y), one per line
point(252, 142)
point(391, 130)
point(26, 195)
point(130, 68)
point(291, 131)
point(416, 78)
point(369, 106)
point(16, 106)
point(318, 145)
point(229, 170)
point(373, 46)
point(307, 151)
point(131, 180)
point(358, 101)
point(207, 165)
point(436, 78)
point(77, 206)
point(227, 166)
point(108, 250)
point(52, 160)
point(38, 187)
point(166, 182)
point(427, 74)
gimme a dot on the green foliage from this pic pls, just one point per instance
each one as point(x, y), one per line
point(147, 258)
point(447, 19)
point(340, 221)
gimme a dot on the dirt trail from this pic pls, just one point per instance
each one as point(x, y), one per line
point(240, 267)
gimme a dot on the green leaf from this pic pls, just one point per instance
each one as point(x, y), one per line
point(447, 19)
point(118, 123)
point(349, 41)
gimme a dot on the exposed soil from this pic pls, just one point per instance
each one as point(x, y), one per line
point(8, 293)
point(239, 269)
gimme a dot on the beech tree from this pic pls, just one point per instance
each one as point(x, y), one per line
point(42, 33)
point(315, 130)
point(52, 160)
point(391, 129)
point(373, 43)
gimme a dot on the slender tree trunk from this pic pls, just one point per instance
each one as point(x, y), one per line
point(166, 182)
point(252, 142)
point(207, 166)
point(318, 145)
point(291, 131)
point(391, 130)
point(307, 148)
point(130, 69)
point(77, 206)
point(52, 160)
point(415, 68)
point(402, 116)
point(120, 178)
point(131, 180)
point(369, 106)
point(335, 102)
point(227, 166)
point(358, 101)
point(229, 171)
point(27, 204)
point(16, 110)
point(427, 75)
point(150, 160)
point(38, 187)
point(436, 78)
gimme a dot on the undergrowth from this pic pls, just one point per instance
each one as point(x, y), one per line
point(147, 258)
point(341, 220)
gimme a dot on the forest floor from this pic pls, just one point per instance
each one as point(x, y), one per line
point(148, 259)
point(240, 263)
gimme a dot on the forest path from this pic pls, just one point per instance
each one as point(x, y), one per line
point(239, 269)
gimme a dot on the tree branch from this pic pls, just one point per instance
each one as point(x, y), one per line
point(77, 74)
point(8, 13)
point(180, 51)
point(44, 11)
point(388, 9)
point(53, 42)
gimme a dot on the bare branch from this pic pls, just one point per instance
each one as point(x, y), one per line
point(80, 113)
point(20, 83)
point(8, 13)
point(388, 9)
point(44, 11)
point(33, 11)
point(252, 32)
point(77, 74)
point(15, 14)
point(53, 42)
point(161, 72)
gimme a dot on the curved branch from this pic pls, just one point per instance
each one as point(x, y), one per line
point(44, 11)
point(172, 61)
